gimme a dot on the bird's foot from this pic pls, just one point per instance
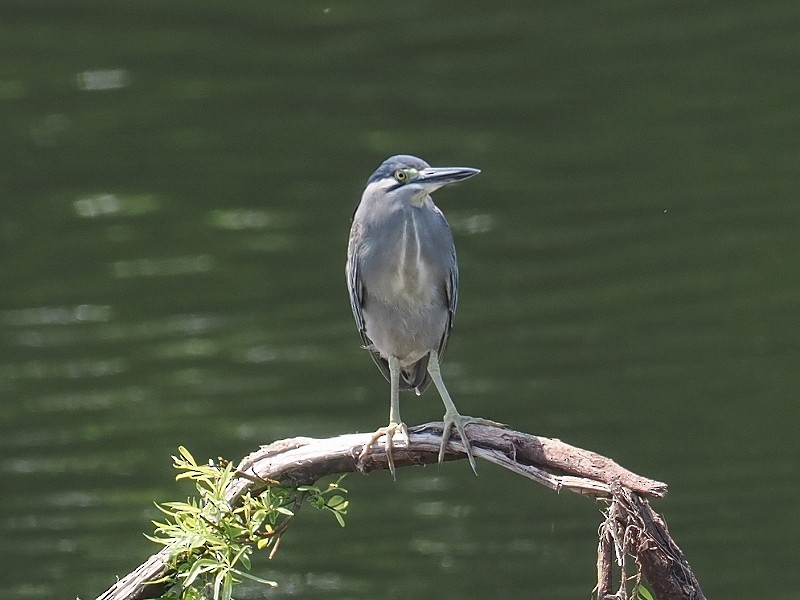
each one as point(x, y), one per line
point(388, 443)
point(460, 422)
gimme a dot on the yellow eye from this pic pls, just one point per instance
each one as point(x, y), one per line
point(406, 175)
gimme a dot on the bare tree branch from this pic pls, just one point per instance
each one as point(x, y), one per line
point(631, 526)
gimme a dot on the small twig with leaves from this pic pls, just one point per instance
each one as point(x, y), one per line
point(210, 542)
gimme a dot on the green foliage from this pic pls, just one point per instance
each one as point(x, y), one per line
point(640, 591)
point(211, 542)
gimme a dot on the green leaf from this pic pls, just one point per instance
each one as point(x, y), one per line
point(187, 455)
point(179, 507)
point(644, 592)
point(258, 579)
point(263, 543)
point(223, 586)
point(242, 553)
point(191, 594)
point(258, 517)
point(162, 541)
point(218, 585)
point(339, 518)
point(204, 565)
point(335, 500)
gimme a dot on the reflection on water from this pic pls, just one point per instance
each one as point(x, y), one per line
point(178, 190)
point(105, 205)
point(106, 79)
point(57, 315)
point(155, 267)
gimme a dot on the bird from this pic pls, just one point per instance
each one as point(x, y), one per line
point(402, 277)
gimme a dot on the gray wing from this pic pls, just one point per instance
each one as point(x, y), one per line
point(451, 289)
point(354, 285)
point(355, 288)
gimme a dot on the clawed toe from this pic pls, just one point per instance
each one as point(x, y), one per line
point(460, 422)
point(389, 432)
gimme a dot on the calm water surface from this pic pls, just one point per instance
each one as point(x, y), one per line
point(176, 188)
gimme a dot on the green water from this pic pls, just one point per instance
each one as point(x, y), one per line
point(176, 183)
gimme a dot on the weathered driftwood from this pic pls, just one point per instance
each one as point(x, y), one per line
point(631, 527)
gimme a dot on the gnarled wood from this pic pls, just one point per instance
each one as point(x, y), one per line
point(634, 528)
point(550, 462)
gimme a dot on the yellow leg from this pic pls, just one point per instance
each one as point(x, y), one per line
point(451, 415)
point(395, 422)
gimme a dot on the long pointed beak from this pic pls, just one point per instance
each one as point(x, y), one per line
point(433, 178)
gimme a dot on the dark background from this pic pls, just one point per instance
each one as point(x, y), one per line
point(176, 183)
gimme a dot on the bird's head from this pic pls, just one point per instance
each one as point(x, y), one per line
point(411, 179)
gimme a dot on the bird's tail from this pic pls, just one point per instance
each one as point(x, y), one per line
point(413, 377)
point(416, 376)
